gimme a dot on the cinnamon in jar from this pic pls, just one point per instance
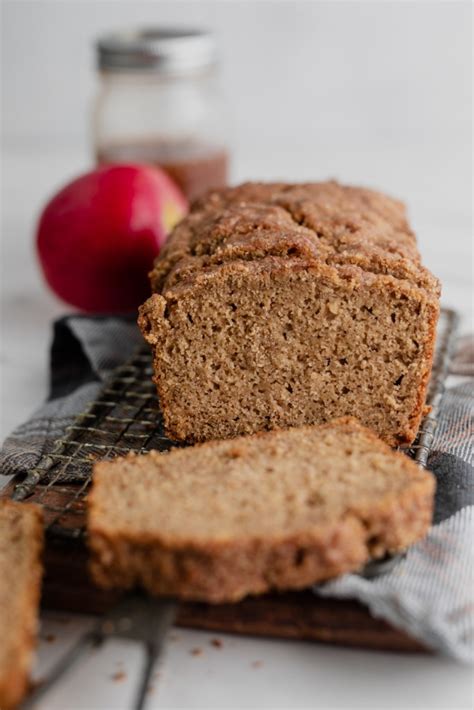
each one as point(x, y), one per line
point(159, 104)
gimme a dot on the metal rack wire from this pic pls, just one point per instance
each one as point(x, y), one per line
point(126, 417)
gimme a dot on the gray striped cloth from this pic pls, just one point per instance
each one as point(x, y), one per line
point(428, 593)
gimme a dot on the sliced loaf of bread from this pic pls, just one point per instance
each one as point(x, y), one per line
point(276, 510)
point(21, 542)
point(280, 305)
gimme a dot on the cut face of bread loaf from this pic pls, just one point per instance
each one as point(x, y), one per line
point(283, 305)
point(277, 510)
point(21, 542)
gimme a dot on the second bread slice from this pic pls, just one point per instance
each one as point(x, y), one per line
point(279, 510)
point(21, 543)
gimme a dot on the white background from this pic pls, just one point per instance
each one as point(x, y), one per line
point(377, 93)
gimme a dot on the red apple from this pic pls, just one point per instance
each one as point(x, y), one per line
point(98, 236)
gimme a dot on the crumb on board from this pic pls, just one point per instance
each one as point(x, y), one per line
point(118, 677)
point(196, 651)
point(257, 664)
point(49, 638)
point(217, 643)
point(174, 637)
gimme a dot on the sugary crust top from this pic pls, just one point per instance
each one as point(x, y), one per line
point(345, 228)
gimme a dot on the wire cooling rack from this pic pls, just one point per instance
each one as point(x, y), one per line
point(126, 417)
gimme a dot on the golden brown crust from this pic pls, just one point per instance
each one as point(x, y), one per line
point(227, 573)
point(322, 222)
point(225, 567)
point(421, 409)
point(20, 610)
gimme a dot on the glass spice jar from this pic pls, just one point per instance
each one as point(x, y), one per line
point(159, 103)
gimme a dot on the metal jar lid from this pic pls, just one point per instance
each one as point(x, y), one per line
point(167, 50)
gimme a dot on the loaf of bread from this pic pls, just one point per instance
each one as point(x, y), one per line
point(276, 510)
point(21, 542)
point(281, 305)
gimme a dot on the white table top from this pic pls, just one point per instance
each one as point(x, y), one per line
point(244, 673)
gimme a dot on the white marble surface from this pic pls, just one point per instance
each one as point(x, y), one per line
point(253, 673)
point(380, 93)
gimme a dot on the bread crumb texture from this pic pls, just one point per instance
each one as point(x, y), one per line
point(276, 510)
point(21, 543)
point(282, 305)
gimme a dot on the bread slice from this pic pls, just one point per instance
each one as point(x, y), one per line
point(277, 510)
point(21, 543)
point(282, 305)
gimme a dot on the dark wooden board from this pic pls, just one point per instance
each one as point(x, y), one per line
point(298, 615)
